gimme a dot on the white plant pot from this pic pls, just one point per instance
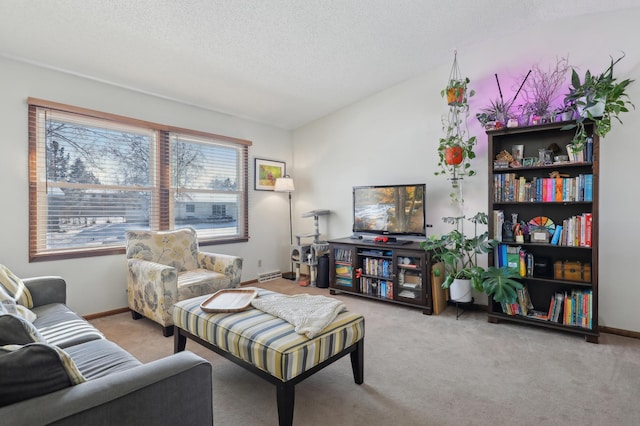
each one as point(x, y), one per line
point(596, 110)
point(460, 290)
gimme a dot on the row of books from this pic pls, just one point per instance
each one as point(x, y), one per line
point(508, 187)
point(379, 267)
point(576, 231)
point(584, 155)
point(568, 308)
point(342, 255)
point(375, 287)
point(522, 307)
point(514, 257)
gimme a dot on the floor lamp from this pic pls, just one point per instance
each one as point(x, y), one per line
point(285, 184)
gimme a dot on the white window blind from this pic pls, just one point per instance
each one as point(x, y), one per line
point(93, 175)
point(207, 186)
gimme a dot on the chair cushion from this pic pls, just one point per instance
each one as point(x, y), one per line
point(33, 370)
point(177, 248)
point(15, 287)
point(200, 281)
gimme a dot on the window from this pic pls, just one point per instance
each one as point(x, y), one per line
point(93, 175)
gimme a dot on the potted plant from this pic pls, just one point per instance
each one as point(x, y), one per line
point(456, 91)
point(459, 254)
point(496, 114)
point(541, 88)
point(455, 148)
point(599, 98)
point(566, 111)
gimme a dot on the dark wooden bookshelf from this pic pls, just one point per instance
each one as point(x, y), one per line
point(544, 286)
point(391, 273)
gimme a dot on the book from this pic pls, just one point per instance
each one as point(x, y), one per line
point(588, 229)
point(498, 222)
point(513, 258)
point(588, 187)
point(555, 239)
point(557, 307)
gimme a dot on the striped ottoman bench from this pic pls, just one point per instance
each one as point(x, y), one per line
point(269, 346)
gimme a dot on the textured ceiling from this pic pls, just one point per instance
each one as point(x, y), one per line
point(280, 62)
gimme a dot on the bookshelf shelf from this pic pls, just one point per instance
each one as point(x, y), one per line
point(385, 273)
point(565, 193)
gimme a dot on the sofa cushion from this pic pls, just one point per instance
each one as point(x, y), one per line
point(15, 330)
point(99, 358)
point(62, 327)
point(33, 370)
point(15, 287)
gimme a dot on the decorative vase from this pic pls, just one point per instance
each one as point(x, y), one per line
point(453, 155)
point(455, 95)
point(460, 291)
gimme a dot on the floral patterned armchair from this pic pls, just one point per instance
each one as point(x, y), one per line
point(166, 266)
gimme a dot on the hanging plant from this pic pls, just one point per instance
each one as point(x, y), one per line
point(599, 98)
point(456, 91)
point(455, 149)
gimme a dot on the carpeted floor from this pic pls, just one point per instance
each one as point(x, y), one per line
point(428, 370)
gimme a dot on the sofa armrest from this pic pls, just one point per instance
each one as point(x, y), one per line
point(46, 290)
point(226, 264)
point(170, 391)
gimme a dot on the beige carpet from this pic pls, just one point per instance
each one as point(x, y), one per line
point(429, 370)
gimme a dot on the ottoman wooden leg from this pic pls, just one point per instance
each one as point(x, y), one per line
point(179, 341)
point(357, 362)
point(286, 393)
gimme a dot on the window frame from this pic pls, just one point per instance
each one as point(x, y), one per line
point(162, 185)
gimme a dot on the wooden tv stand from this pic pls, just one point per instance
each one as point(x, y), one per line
point(392, 272)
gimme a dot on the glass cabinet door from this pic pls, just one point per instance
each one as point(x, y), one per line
point(411, 283)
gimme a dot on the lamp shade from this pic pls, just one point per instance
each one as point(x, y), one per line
point(284, 184)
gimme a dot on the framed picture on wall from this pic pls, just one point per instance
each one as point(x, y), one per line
point(266, 173)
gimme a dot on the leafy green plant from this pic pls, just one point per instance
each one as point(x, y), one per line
point(498, 110)
point(459, 254)
point(459, 87)
point(501, 284)
point(597, 97)
point(457, 135)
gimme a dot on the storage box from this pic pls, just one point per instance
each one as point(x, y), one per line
point(572, 271)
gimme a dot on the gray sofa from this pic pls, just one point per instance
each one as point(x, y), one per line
point(118, 388)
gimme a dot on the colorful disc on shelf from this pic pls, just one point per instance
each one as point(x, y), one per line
point(543, 221)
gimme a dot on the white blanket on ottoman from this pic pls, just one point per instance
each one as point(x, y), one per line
point(309, 314)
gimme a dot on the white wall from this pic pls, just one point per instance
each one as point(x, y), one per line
point(97, 284)
point(392, 137)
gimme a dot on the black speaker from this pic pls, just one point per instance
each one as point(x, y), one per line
point(322, 281)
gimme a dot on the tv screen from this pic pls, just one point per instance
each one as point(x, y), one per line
point(389, 209)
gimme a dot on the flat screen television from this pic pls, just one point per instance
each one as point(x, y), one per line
point(389, 209)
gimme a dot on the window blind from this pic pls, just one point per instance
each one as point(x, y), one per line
point(93, 175)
